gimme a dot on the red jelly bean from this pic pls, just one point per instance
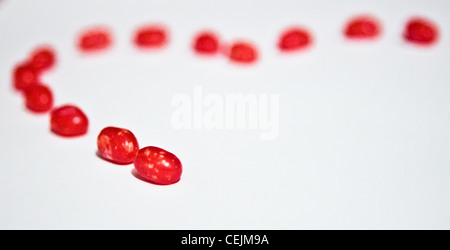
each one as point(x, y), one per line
point(206, 43)
point(25, 76)
point(43, 59)
point(68, 120)
point(39, 98)
point(117, 145)
point(158, 165)
point(363, 27)
point(95, 39)
point(421, 31)
point(243, 52)
point(151, 36)
point(294, 39)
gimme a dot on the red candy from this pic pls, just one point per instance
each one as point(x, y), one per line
point(68, 121)
point(421, 31)
point(38, 98)
point(158, 166)
point(25, 76)
point(206, 43)
point(363, 27)
point(43, 59)
point(152, 36)
point(242, 52)
point(294, 39)
point(117, 145)
point(94, 40)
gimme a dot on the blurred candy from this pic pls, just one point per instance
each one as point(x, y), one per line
point(363, 27)
point(421, 31)
point(43, 58)
point(294, 39)
point(151, 36)
point(243, 52)
point(38, 98)
point(206, 43)
point(94, 39)
point(25, 76)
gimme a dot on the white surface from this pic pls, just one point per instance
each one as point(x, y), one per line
point(364, 128)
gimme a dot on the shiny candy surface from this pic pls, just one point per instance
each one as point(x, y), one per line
point(117, 145)
point(68, 120)
point(158, 166)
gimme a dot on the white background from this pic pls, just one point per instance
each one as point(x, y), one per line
point(364, 127)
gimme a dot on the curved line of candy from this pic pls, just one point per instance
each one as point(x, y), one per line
point(294, 39)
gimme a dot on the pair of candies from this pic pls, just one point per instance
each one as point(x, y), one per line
point(154, 164)
point(208, 43)
point(26, 79)
point(100, 38)
point(66, 120)
point(417, 30)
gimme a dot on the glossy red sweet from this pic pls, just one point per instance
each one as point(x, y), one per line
point(117, 145)
point(294, 39)
point(68, 120)
point(206, 43)
point(38, 98)
point(242, 52)
point(421, 31)
point(151, 36)
point(25, 76)
point(43, 59)
point(362, 27)
point(95, 39)
point(158, 166)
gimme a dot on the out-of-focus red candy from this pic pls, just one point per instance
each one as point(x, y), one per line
point(43, 58)
point(206, 43)
point(95, 39)
point(117, 145)
point(243, 52)
point(158, 165)
point(68, 120)
point(421, 31)
point(38, 98)
point(151, 36)
point(294, 39)
point(362, 27)
point(25, 76)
